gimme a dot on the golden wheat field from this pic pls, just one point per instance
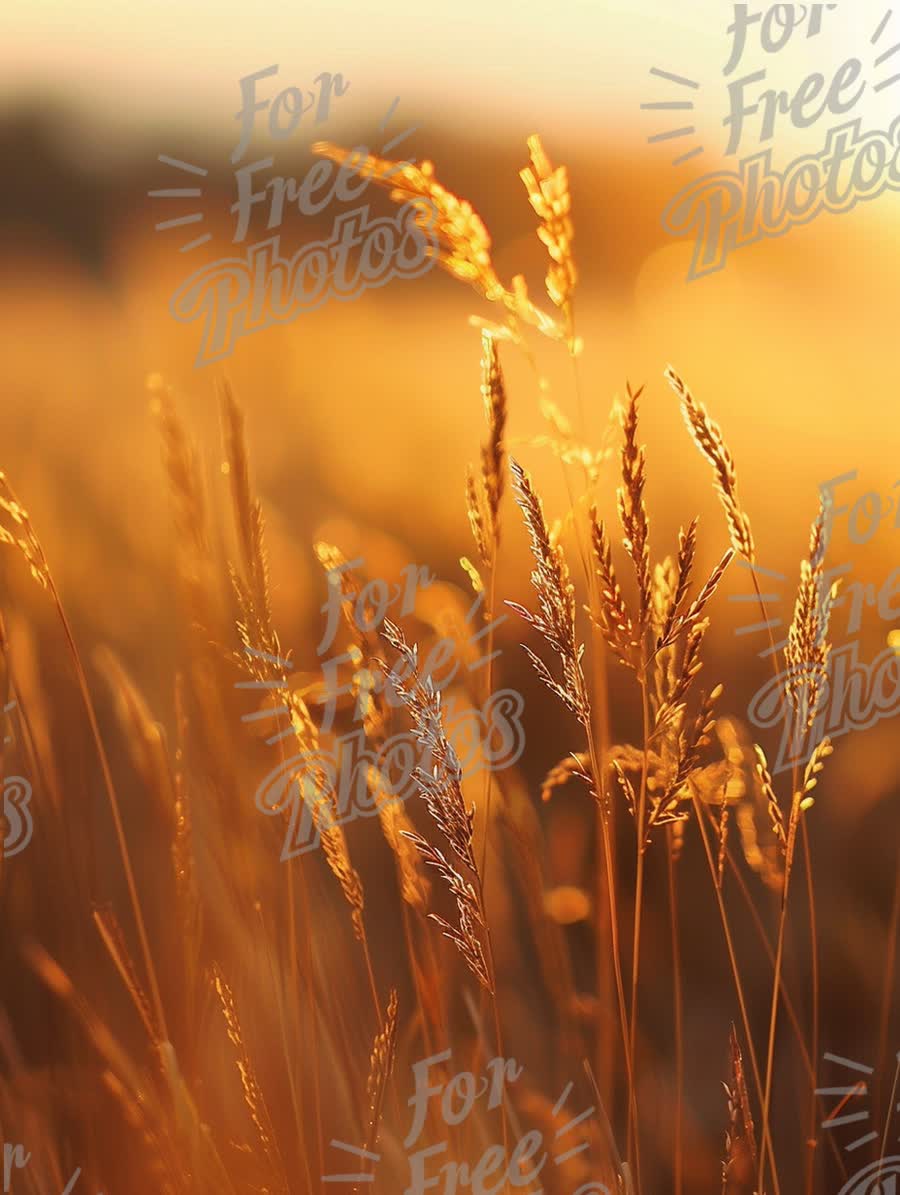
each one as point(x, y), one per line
point(449, 640)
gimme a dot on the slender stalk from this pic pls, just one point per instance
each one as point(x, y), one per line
point(770, 955)
point(785, 995)
point(641, 815)
point(614, 935)
point(888, 982)
point(605, 842)
point(576, 372)
point(489, 688)
point(371, 977)
point(294, 973)
point(489, 612)
point(773, 1019)
point(606, 1032)
point(276, 987)
point(679, 1020)
point(497, 1030)
point(736, 975)
point(416, 978)
point(605, 836)
point(814, 951)
point(313, 1004)
point(779, 960)
point(114, 807)
point(436, 982)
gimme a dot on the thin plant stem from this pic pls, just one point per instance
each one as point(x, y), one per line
point(294, 972)
point(785, 994)
point(114, 807)
point(605, 1037)
point(776, 985)
point(603, 817)
point(579, 396)
point(371, 976)
point(614, 935)
point(641, 813)
point(735, 972)
point(314, 1008)
point(782, 921)
point(489, 688)
point(489, 613)
point(814, 1044)
point(890, 963)
point(605, 837)
point(497, 1030)
point(266, 939)
point(678, 1011)
point(416, 976)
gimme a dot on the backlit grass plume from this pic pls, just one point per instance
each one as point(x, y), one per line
point(484, 493)
point(548, 194)
point(465, 244)
point(441, 789)
point(808, 648)
point(555, 620)
point(708, 438)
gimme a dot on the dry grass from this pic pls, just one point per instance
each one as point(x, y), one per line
point(219, 1008)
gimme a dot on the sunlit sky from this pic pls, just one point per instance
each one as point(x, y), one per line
point(124, 65)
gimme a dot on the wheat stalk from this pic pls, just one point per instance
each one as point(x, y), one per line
point(483, 495)
point(555, 622)
point(548, 194)
point(632, 509)
point(381, 1064)
point(612, 617)
point(441, 789)
point(253, 1095)
point(463, 241)
point(708, 437)
point(807, 651)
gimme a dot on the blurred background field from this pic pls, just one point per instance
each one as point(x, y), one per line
point(791, 344)
point(362, 417)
